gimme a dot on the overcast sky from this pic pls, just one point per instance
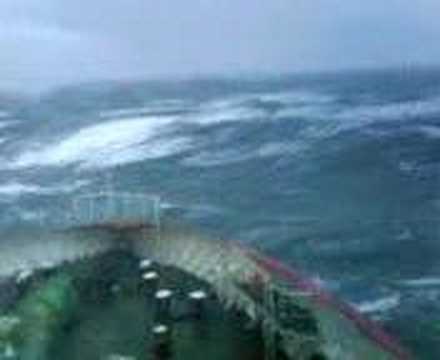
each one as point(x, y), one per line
point(44, 43)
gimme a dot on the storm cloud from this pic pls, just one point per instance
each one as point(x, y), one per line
point(44, 43)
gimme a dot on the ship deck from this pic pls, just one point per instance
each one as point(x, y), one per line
point(116, 312)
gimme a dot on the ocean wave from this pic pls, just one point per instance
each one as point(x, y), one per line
point(303, 111)
point(107, 144)
point(392, 111)
point(15, 189)
point(4, 114)
point(422, 282)
point(430, 131)
point(213, 116)
point(217, 158)
point(380, 305)
point(297, 97)
point(231, 156)
point(42, 249)
point(161, 106)
point(314, 129)
point(155, 149)
point(5, 124)
point(331, 119)
point(279, 148)
point(242, 108)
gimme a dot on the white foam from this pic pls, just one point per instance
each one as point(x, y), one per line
point(297, 97)
point(232, 156)
point(27, 252)
point(392, 111)
point(109, 143)
point(212, 116)
point(278, 148)
point(14, 189)
point(330, 119)
point(5, 124)
point(304, 111)
point(407, 166)
point(170, 105)
point(430, 131)
point(379, 305)
point(209, 113)
point(124, 112)
point(31, 216)
point(217, 158)
point(3, 114)
point(422, 282)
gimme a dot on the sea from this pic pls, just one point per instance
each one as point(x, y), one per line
point(337, 174)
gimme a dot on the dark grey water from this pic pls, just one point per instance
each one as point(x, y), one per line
point(337, 174)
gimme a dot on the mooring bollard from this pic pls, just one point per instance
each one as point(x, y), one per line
point(9, 353)
point(145, 264)
point(197, 301)
point(149, 283)
point(162, 341)
point(8, 326)
point(163, 299)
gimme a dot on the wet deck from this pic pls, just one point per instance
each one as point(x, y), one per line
point(117, 310)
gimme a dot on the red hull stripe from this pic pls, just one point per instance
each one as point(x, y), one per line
point(367, 327)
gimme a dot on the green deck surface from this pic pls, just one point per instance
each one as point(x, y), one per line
point(109, 312)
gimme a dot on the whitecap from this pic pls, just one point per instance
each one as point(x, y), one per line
point(5, 124)
point(217, 158)
point(37, 250)
point(380, 305)
point(297, 97)
point(392, 111)
point(232, 156)
point(306, 111)
point(212, 116)
point(160, 106)
point(430, 131)
point(15, 189)
point(109, 143)
point(123, 112)
point(422, 282)
point(330, 119)
point(407, 166)
point(278, 148)
point(155, 149)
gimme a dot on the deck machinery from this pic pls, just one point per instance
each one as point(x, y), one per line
point(165, 291)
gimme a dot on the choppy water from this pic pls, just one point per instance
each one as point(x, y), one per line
point(338, 174)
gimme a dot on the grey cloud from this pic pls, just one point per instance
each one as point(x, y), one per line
point(50, 42)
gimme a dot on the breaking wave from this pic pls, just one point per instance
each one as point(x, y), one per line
point(380, 305)
point(108, 144)
point(15, 189)
point(422, 282)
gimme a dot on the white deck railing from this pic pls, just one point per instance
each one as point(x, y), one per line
point(105, 207)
